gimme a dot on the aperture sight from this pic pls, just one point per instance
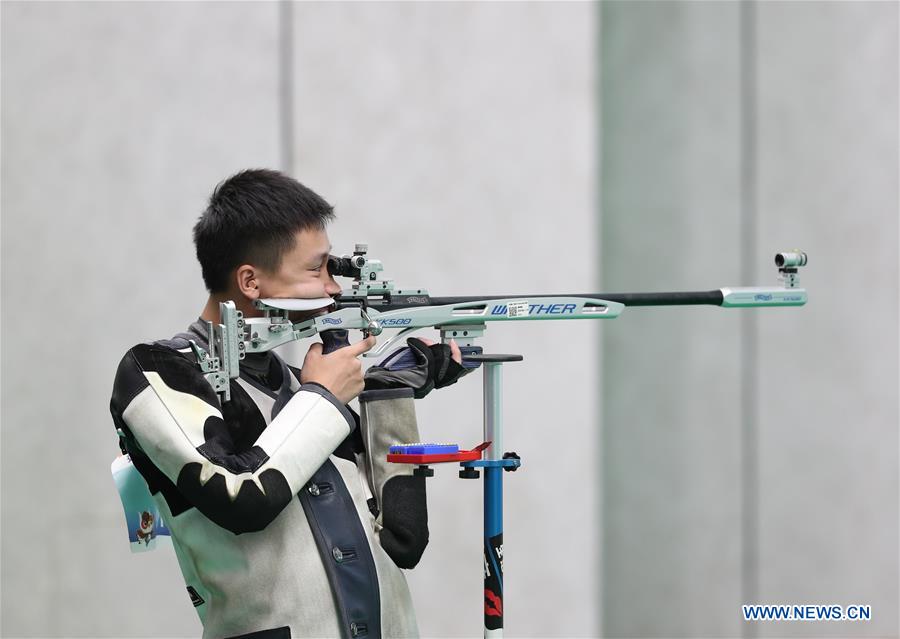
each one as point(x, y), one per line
point(788, 263)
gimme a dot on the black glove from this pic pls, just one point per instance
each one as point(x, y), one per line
point(418, 366)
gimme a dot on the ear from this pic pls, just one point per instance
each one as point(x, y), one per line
point(247, 280)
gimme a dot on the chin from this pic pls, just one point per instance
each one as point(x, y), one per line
point(298, 316)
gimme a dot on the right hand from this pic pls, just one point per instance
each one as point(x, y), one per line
point(340, 372)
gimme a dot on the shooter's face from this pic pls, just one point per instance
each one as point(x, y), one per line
point(303, 273)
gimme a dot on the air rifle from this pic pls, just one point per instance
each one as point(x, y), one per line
point(372, 304)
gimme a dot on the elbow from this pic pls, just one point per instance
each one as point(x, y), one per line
point(405, 519)
point(250, 510)
point(405, 548)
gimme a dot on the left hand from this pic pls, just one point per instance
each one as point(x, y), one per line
point(436, 366)
point(455, 353)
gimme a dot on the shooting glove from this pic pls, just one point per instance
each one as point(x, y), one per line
point(417, 366)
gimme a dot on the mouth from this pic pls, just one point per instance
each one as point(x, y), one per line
point(326, 310)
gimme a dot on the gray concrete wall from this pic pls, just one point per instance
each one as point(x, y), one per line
point(670, 204)
point(458, 140)
point(750, 457)
point(829, 444)
point(118, 119)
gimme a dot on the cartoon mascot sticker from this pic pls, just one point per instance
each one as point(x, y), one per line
point(146, 532)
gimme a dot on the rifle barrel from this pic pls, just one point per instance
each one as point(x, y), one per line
point(685, 298)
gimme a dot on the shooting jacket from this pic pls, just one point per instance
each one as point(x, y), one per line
point(286, 519)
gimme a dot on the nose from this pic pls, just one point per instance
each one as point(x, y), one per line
point(331, 287)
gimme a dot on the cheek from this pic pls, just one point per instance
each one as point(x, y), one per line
point(306, 286)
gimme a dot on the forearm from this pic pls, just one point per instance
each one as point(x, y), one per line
point(388, 417)
point(172, 416)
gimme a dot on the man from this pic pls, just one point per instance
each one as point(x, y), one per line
point(285, 516)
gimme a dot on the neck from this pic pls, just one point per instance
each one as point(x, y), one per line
point(210, 312)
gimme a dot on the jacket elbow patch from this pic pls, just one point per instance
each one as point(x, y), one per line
point(405, 520)
point(251, 510)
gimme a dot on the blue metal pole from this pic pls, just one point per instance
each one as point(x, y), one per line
point(493, 552)
point(493, 503)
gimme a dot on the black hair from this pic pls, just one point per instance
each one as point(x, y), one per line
point(252, 218)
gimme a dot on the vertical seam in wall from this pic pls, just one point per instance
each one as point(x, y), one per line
point(286, 85)
point(898, 309)
point(599, 469)
point(749, 391)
